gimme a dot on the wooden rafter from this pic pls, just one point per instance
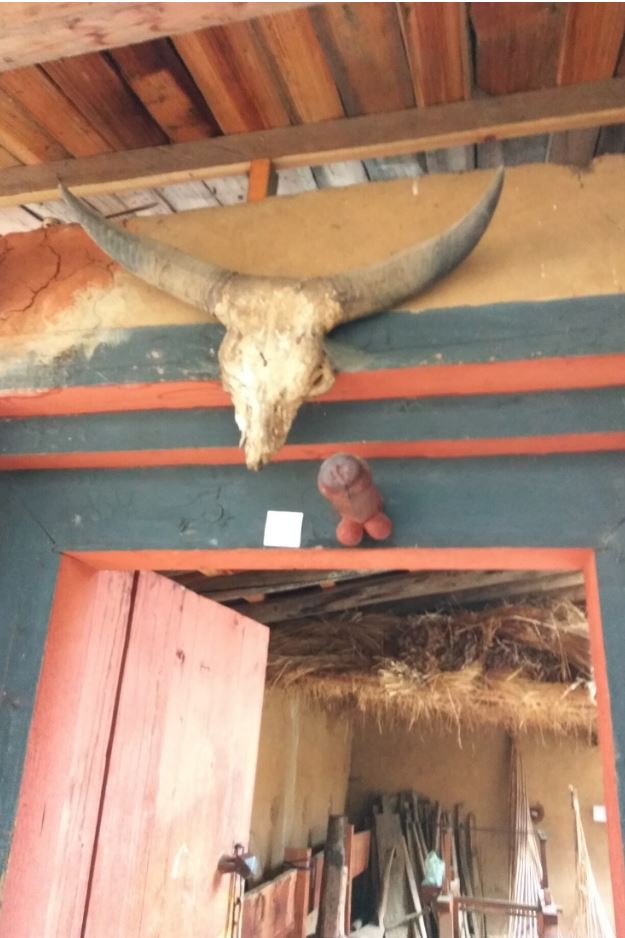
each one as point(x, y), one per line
point(400, 132)
point(40, 32)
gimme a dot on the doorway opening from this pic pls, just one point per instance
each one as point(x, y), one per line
point(423, 696)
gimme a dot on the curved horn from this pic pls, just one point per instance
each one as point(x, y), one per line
point(187, 278)
point(384, 284)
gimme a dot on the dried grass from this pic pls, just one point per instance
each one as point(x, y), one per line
point(517, 667)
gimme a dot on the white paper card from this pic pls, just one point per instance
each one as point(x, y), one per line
point(599, 815)
point(283, 529)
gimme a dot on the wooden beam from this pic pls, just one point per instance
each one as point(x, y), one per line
point(589, 52)
point(425, 591)
point(40, 32)
point(593, 104)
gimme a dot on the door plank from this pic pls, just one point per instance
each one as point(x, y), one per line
point(55, 829)
point(180, 785)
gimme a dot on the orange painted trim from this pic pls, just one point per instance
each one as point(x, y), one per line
point(262, 180)
point(337, 558)
point(401, 449)
point(509, 377)
point(606, 743)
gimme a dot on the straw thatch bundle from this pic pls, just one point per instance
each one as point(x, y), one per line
point(521, 667)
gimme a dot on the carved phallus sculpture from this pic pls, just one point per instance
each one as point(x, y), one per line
point(347, 483)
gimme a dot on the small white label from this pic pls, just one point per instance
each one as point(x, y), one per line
point(283, 529)
point(599, 815)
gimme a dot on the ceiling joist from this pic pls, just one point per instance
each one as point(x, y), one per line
point(32, 33)
point(396, 133)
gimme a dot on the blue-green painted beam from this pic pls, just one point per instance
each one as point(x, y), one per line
point(542, 501)
point(501, 332)
point(422, 419)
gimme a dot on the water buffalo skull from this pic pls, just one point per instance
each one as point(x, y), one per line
point(272, 357)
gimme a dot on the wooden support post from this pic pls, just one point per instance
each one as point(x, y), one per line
point(331, 919)
point(445, 917)
point(542, 842)
point(262, 180)
point(300, 859)
point(349, 844)
point(548, 919)
point(446, 854)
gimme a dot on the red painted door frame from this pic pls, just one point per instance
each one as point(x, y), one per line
point(418, 559)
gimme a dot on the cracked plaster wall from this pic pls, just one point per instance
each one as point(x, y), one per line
point(557, 233)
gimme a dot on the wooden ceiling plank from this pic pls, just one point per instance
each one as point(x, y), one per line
point(300, 66)
point(243, 586)
point(23, 137)
point(292, 181)
point(395, 167)
point(41, 98)
point(489, 154)
point(161, 82)
point(517, 45)
point(146, 202)
point(17, 219)
point(230, 190)
point(594, 104)
point(7, 159)
point(42, 32)
point(186, 196)
point(95, 88)
point(592, 42)
point(231, 69)
point(437, 43)
point(429, 590)
point(363, 44)
point(450, 160)
point(611, 140)
point(338, 175)
point(589, 52)
point(51, 210)
point(573, 148)
point(526, 150)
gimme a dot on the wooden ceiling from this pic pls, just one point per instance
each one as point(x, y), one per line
point(275, 597)
point(303, 65)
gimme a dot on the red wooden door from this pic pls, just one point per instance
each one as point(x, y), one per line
point(167, 789)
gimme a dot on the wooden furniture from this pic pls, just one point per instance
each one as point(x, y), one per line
point(280, 908)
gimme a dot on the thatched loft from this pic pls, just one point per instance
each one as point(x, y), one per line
point(498, 648)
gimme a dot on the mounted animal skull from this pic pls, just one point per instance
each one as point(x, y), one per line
point(272, 357)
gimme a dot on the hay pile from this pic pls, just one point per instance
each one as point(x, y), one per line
point(518, 666)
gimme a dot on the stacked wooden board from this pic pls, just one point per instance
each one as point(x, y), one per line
point(420, 852)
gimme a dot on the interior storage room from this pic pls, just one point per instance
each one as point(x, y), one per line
point(445, 719)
